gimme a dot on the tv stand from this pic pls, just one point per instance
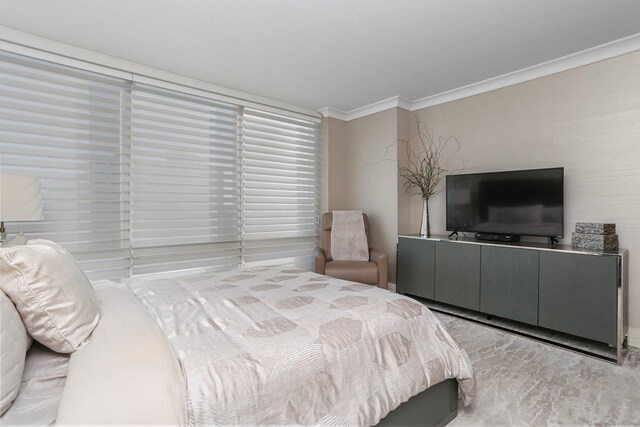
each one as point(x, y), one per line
point(553, 241)
point(505, 238)
point(453, 233)
point(548, 290)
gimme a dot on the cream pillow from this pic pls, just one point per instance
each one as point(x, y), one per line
point(14, 343)
point(53, 296)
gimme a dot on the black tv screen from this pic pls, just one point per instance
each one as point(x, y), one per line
point(525, 202)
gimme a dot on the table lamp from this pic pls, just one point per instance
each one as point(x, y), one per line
point(20, 200)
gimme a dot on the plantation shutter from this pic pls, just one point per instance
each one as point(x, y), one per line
point(185, 182)
point(70, 128)
point(280, 189)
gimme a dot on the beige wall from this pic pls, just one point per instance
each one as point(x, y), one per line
point(359, 179)
point(406, 208)
point(586, 120)
point(339, 163)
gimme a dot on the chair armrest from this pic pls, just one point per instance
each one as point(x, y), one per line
point(320, 261)
point(382, 262)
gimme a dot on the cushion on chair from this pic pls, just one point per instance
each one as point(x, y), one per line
point(327, 224)
point(348, 239)
point(355, 271)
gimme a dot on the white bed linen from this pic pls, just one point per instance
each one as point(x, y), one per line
point(128, 374)
point(43, 380)
point(14, 344)
point(263, 346)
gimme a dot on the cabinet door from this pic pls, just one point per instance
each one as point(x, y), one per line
point(458, 274)
point(509, 283)
point(416, 259)
point(578, 295)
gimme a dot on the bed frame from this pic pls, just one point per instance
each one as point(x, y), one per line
point(436, 406)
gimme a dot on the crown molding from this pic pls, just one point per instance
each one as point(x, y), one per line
point(565, 63)
point(376, 107)
point(585, 57)
point(333, 113)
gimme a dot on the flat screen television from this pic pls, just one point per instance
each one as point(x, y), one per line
point(523, 202)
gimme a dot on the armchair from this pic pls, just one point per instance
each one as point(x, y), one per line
point(372, 272)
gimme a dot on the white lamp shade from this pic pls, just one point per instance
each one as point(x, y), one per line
point(20, 198)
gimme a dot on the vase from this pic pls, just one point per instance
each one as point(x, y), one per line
point(425, 227)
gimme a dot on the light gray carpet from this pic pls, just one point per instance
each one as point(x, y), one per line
point(525, 382)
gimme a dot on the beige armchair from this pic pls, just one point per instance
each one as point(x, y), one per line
point(372, 272)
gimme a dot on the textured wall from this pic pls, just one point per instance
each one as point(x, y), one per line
point(406, 210)
point(360, 180)
point(586, 119)
point(339, 164)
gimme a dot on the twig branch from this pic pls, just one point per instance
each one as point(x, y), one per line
point(423, 173)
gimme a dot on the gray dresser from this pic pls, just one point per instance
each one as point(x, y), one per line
point(577, 292)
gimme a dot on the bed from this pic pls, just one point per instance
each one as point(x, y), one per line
point(41, 389)
point(260, 346)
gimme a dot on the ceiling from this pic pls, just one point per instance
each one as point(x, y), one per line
point(341, 54)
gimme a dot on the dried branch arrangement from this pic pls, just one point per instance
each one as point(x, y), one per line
point(423, 172)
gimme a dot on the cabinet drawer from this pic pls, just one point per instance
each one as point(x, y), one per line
point(509, 283)
point(457, 280)
point(578, 295)
point(416, 260)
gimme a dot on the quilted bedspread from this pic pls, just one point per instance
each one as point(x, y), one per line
point(286, 346)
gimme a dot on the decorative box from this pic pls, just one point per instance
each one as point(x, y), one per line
point(595, 228)
point(597, 242)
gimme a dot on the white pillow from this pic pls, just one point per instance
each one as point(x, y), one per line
point(14, 342)
point(129, 368)
point(53, 296)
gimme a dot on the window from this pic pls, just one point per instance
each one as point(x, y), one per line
point(139, 179)
point(69, 127)
point(185, 185)
point(280, 189)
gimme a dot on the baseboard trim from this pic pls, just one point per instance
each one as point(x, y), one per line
point(633, 337)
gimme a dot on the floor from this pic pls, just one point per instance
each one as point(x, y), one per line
point(526, 382)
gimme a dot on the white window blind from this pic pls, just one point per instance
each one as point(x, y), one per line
point(280, 189)
point(185, 182)
point(139, 180)
point(70, 128)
